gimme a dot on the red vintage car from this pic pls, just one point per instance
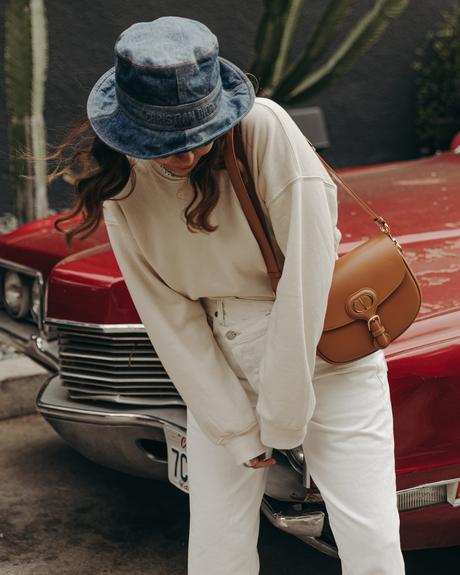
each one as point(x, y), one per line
point(110, 398)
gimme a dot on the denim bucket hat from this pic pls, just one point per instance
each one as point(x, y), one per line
point(169, 91)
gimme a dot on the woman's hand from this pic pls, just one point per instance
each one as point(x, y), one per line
point(260, 461)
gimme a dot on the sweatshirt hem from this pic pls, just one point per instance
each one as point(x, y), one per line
point(282, 438)
point(246, 446)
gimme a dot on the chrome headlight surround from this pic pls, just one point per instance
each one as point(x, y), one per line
point(36, 300)
point(28, 280)
point(16, 294)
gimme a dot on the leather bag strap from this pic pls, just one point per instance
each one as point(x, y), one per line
point(341, 184)
point(248, 205)
point(250, 202)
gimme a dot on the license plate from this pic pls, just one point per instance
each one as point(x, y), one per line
point(176, 442)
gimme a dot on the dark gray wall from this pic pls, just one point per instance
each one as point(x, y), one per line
point(369, 112)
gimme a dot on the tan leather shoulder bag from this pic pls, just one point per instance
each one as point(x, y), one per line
point(374, 296)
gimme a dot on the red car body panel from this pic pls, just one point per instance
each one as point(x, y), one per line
point(436, 526)
point(40, 246)
point(421, 201)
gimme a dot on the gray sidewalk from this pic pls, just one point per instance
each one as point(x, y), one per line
point(20, 381)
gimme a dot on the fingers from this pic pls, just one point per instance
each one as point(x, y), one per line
point(259, 462)
point(265, 463)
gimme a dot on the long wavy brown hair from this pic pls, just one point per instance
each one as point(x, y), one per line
point(99, 173)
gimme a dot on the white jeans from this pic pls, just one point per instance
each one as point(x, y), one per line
point(349, 451)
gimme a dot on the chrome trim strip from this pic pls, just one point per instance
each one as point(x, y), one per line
point(19, 267)
point(435, 484)
point(133, 387)
point(94, 377)
point(149, 402)
point(108, 327)
point(322, 546)
point(99, 337)
point(422, 497)
point(33, 348)
point(97, 360)
point(45, 307)
point(88, 416)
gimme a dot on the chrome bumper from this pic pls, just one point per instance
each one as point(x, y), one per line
point(28, 339)
point(302, 524)
point(298, 520)
point(133, 441)
point(124, 438)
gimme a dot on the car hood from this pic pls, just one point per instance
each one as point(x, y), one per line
point(419, 199)
point(39, 245)
point(415, 197)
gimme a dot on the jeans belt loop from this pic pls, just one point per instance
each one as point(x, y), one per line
point(221, 307)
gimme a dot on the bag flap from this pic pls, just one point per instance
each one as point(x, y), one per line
point(376, 263)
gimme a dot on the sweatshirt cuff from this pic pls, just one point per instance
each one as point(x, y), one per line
point(280, 437)
point(246, 446)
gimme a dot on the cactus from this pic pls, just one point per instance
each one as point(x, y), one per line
point(290, 83)
point(437, 84)
point(26, 60)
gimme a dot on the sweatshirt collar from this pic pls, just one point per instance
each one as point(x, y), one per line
point(159, 169)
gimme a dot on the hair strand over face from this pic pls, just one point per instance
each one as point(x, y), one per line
point(100, 173)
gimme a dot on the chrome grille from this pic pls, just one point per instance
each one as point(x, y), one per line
point(422, 497)
point(115, 366)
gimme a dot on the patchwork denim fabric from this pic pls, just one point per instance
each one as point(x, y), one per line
point(169, 91)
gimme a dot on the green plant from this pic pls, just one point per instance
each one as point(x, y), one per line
point(26, 60)
point(437, 84)
point(291, 78)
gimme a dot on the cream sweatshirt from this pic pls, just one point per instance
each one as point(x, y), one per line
point(167, 269)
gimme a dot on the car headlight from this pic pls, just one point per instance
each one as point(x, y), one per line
point(16, 294)
point(35, 300)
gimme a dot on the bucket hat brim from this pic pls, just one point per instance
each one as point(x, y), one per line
point(116, 129)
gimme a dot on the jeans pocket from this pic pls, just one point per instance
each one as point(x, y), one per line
point(249, 348)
